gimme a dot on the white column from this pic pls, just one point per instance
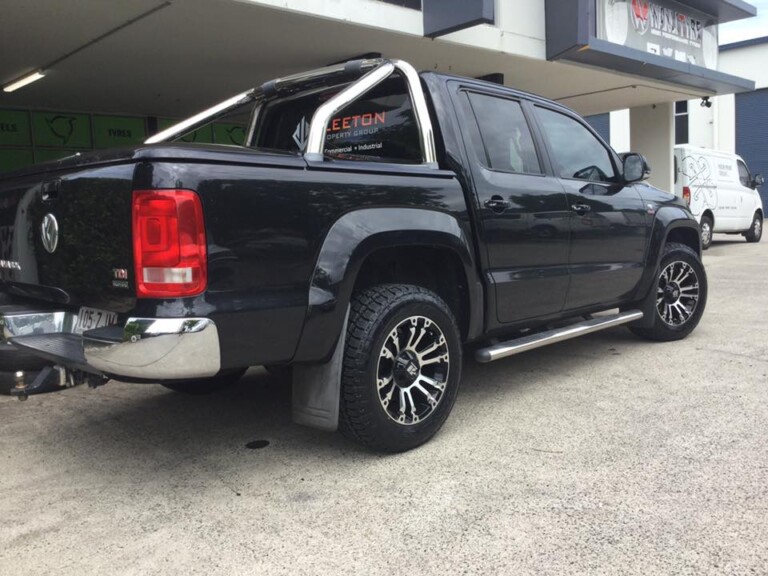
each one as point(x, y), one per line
point(725, 115)
point(701, 124)
point(652, 134)
point(620, 130)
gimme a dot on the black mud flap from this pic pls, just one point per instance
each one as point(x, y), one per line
point(317, 389)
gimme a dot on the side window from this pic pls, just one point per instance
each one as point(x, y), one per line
point(577, 154)
point(744, 174)
point(379, 126)
point(505, 136)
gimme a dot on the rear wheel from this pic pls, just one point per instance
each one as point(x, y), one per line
point(755, 231)
point(402, 365)
point(706, 228)
point(679, 296)
point(202, 386)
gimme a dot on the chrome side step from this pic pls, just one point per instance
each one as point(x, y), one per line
point(525, 343)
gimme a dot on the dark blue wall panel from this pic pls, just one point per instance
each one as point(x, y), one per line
point(602, 125)
point(752, 133)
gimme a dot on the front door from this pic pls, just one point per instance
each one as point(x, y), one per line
point(523, 213)
point(608, 219)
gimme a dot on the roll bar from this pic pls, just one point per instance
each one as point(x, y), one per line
point(363, 75)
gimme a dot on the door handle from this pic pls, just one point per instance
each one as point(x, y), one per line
point(581, 208)
point(497, 203)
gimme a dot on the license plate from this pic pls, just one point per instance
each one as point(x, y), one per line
point(90, 318)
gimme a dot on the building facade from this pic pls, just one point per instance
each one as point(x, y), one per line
point(116, 72)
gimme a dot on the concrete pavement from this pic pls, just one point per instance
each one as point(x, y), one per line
point(602, 455)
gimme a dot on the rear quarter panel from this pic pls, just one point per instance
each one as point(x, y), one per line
point(265, 227)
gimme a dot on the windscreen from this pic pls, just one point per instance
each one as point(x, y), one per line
point(380, 126)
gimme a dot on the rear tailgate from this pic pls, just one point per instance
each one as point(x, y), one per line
point(65, 236)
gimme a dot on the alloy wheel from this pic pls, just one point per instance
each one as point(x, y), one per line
point(677, 293)
point(412, 370)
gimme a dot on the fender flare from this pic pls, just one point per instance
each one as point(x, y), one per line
point(667, 218)
point(351, 239)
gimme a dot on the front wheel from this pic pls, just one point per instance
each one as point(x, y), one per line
point(679, 296)
point(755, 231)
point(402, 366)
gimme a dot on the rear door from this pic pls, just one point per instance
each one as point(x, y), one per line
point(608, 219)
point(523, 213)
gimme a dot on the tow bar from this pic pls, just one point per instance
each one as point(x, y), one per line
point(53, 379)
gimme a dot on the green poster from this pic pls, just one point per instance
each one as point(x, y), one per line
point(202, 135)
point(115, 131)
point(51, 154)
point(13, 159)
point(14, 128)
point(61, 129)
point(229, 134)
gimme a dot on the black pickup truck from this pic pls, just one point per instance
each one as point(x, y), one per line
point(376, 224)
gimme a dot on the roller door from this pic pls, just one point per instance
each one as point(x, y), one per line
point(752, 133)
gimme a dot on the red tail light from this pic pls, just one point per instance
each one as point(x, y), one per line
point(168, 243)
point(687, 195)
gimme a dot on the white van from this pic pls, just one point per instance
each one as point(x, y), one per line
point(720, 192)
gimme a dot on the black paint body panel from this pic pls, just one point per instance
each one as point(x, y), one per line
point(286, 238)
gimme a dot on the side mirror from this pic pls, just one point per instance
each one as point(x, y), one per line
point(635, 167)
point(758, 180)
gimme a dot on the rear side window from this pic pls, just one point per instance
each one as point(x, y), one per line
point(380, 126)
point(744, 177)
point(576, 152)
point(505, 137)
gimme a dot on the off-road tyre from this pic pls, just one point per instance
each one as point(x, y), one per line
point(392, 316)
point(755, 231)
point(670, 323)
point(203, 386)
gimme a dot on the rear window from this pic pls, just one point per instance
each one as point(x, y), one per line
point(380, 126)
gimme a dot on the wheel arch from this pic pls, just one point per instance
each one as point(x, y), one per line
point(671, 224)
point(362, 239)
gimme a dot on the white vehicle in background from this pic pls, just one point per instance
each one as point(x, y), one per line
point(720, 192)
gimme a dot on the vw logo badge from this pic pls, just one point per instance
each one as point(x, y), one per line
point(49, 232)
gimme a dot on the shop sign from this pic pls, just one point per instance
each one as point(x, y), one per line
point(14, 128)
point(229, 134)
point(662, 27)
point(114, 131)
point(202, 135)
point(13, 159)
point(61, 129)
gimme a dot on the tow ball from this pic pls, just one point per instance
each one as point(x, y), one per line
point(52, 379)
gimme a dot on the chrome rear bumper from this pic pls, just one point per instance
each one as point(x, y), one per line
point(156, 348)
point(145, 348)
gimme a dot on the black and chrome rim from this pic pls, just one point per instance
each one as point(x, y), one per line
point(412, 371)
point(677, 294)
